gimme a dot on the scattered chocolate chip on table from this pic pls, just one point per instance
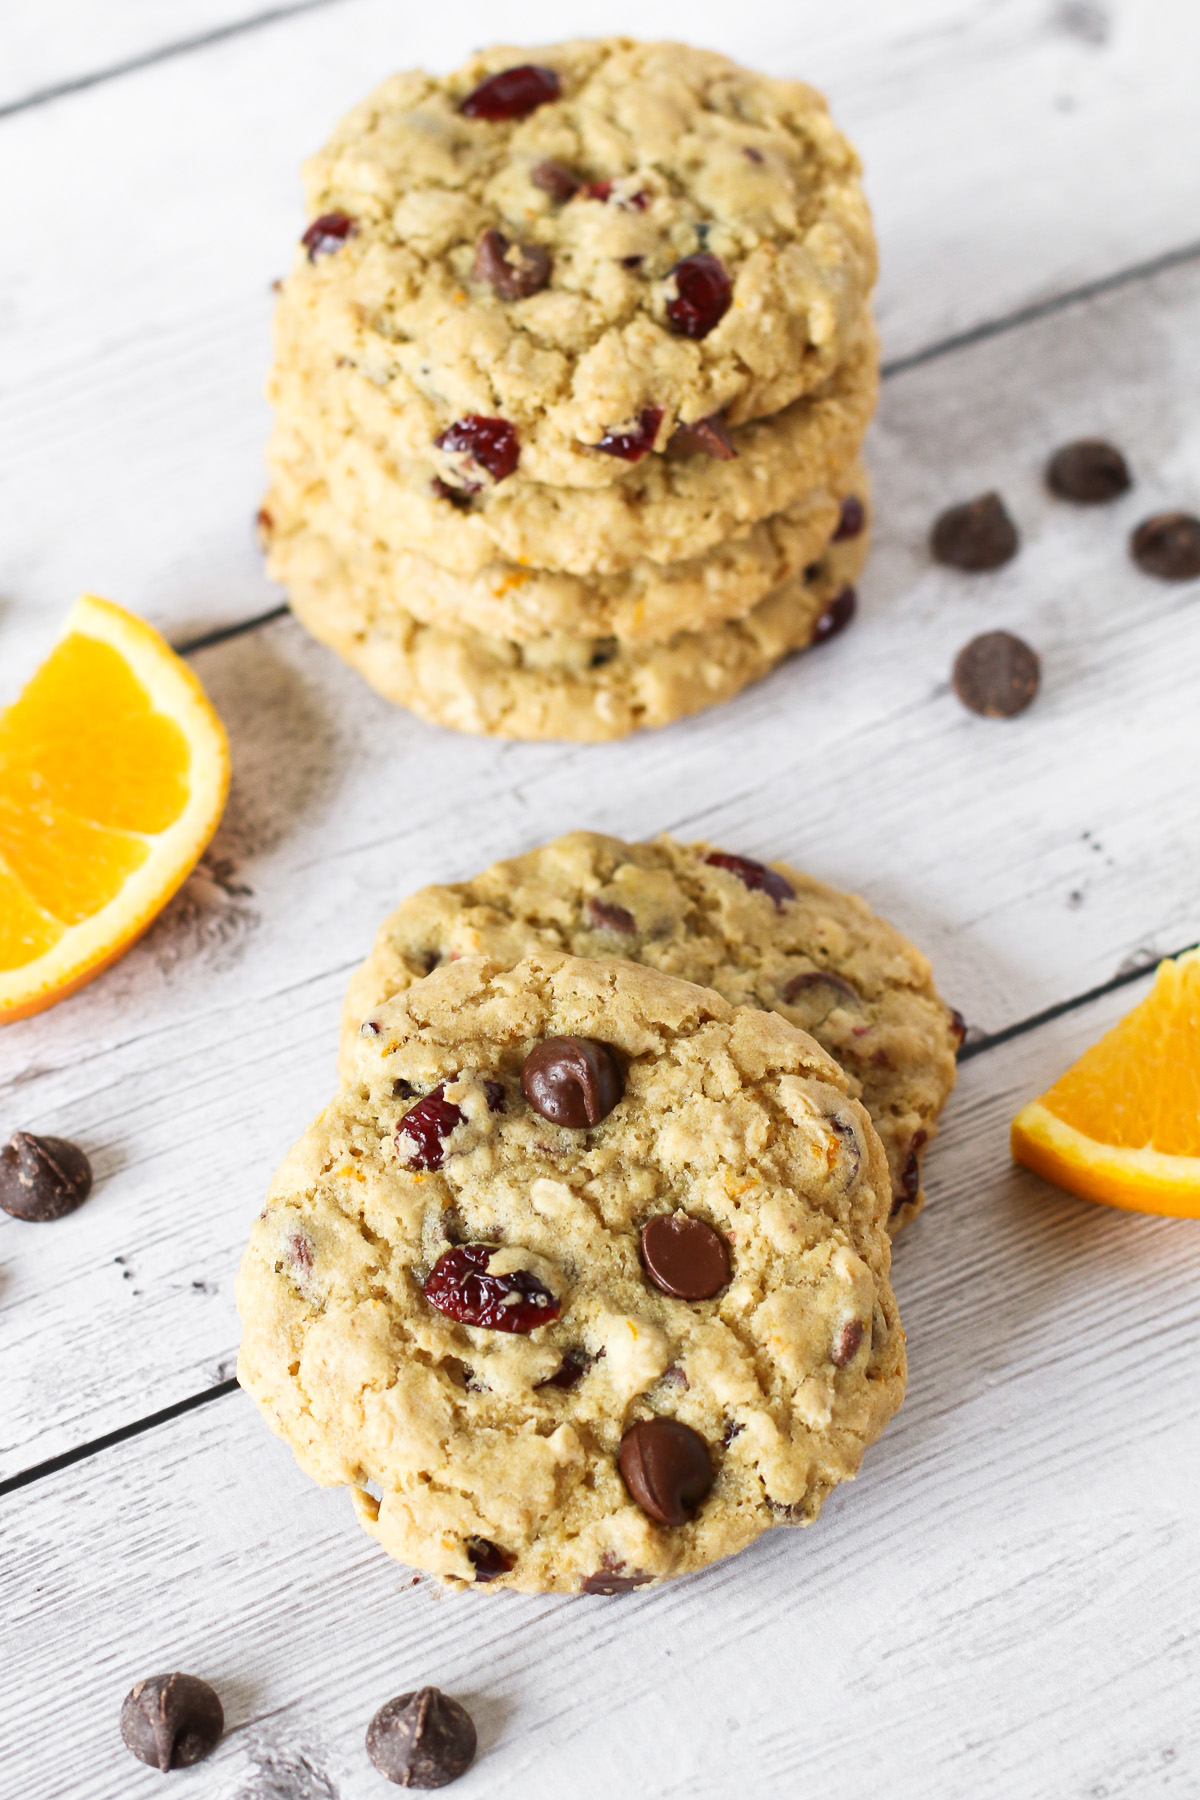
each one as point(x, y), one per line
point(172, 1721)
point(996, 675)
point(42, 1177)
point(424, 1739)
point(1168, 545)
point(978, 534)
point(1088, 471)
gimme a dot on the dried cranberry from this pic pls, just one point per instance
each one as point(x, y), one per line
point(327, 234)
point(631, 446)
point(556, 180)
point(488, 1559)
point(603, 190)
point(597, 190)
point(513, 93)
point(836, 617)
point(910, 1175)
point(606, 915)
point(754, 875)
point(852, 520)
point(427, 1125)
point(703, 295)
point(514, 270)
point(709, 435)
point(459, 1286)
point(753, 155)
point(492, 443)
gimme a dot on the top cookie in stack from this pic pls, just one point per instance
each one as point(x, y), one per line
point(572, 372)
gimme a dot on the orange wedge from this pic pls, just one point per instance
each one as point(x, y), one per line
point(1123, 1124)
point(113, 774)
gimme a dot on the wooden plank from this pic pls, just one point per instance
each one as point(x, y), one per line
point(1012, 150)
point(1003, 1603)
point(1031, 859)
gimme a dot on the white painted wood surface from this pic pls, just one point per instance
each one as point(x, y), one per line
point(1005, 1602)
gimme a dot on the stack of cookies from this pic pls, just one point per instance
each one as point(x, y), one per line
point(571, 378)
point(583, 1280)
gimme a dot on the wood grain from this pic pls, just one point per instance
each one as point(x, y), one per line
point(1003, 1603)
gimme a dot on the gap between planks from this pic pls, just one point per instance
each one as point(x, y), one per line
point(139, 1427)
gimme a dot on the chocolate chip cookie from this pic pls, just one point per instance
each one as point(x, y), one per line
point(550, 261)
point(581, 1283)
point(760, 934)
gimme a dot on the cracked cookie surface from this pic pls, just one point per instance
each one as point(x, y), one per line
point(661, 232)
point(821, 958)
point(519, 1456)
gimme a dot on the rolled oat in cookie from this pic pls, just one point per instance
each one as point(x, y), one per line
point(615, 1306)
point(760, 934)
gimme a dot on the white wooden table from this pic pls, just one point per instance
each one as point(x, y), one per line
point(1007, 1602)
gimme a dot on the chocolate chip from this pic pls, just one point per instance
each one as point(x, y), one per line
point(171, 1721)
point(846, 1342)
point(42, 1177)
point(459, 497)
point(606, 915)
point(604, 650)
point(910, 1174)
point(494, 1094)
point(555, 179)
point(488, 1560)
point(976, 535)
point(836, 616)
point(685, 1256)
point(514, 270)
point(611, 1578)
point(958, 1026)
point(422, 1740)
point(754, 875)
point(1089, 471)
point(810, 980)
point(666, 1467)
point(1168, 545)
point(572, 1081)
point(853, 518)
point(710, 436)
point(996, 675)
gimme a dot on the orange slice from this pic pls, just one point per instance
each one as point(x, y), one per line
point(113, 774)
point(1123, 1124)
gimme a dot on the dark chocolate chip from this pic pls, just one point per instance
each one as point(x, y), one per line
point(488, 1560)
point(976, 535)
point(836, 616)
point(572, 1081)
point(846, 1343)
point(604, 650)
point(958, 1026)
point(42, 1177)
point(1089, 471)
point(685, 1256)
point(606, 915)
point(555, 179)
point(422, 1740)
point(853, 518)
point(810, 980)
point(613, 1577)
point(171, 1721)
point(710, 436)
point(459, 497)
point(495, 1096)
point(1168, 545)
point(666, 1467)
point(996, 675)
point(514, 270)
point(754, 875)
point(910, 1174)
point(570, 1371)
point(730, 1432)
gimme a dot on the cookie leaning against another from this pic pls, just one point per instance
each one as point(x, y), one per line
point(585, 1273)
point(608, 233)
point(559, 686)
point(760, 935)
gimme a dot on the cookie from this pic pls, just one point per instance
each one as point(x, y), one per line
point(666, 508)
point(581, 1283)
point(648, 603)
point(760, 935)
point(651, 235)
point(560, 686)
